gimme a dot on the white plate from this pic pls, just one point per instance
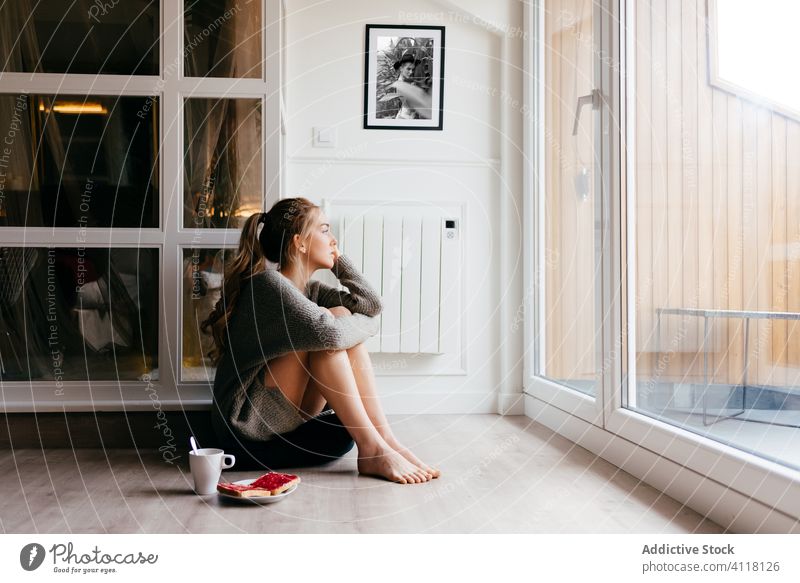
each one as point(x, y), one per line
point(256, 499)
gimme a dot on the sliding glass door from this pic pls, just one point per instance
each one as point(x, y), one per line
point(714, 208)
point(666, 205)
point(570, 210)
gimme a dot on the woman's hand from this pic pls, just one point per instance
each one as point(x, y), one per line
point(337, 311)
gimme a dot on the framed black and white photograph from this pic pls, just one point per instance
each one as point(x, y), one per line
point(404, 77)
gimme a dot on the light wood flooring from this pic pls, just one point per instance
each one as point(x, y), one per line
point(499, 474)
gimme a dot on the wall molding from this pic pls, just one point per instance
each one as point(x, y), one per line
point(197, 397)
point(492, 163)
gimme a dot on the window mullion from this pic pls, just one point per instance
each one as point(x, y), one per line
point(171, 188)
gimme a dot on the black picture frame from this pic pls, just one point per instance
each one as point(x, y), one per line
point(407, 60)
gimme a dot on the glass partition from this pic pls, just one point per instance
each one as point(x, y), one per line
point(203, 272)
point(94, 38)
point(222, 38)
point(78, 313)
point(79, 161)
point(223, 162)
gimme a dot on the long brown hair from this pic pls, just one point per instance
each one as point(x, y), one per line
point(287, 217)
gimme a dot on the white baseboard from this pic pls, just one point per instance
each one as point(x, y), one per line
point(511, 404)
point(722, 504)
point(449, 403)
point(106, 397)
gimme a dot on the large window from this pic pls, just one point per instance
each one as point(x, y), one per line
point(715, 202)
point(110, 114)
point(667, 230)
point(570, 258)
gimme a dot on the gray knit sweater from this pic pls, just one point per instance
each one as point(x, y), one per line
point(273, 317)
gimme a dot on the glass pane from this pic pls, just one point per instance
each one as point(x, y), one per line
point(222, 38)
point(716, 201)
point(203, 270)
point(222, 162)
point(570, 257)
point(74, 314)
point(53, 36)
point(76, 161)
point(740, 66)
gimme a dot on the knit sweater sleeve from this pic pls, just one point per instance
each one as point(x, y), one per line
point(304, 324)
point(362, 298)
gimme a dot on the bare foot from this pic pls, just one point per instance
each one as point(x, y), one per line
point(384, 461)
point(406, 453)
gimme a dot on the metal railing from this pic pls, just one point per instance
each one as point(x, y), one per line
point(708, 316)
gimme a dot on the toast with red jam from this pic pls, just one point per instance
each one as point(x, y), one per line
point(270, 484)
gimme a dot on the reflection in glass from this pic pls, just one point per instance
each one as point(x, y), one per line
point(69, 314)
point(570, 259)
point(53, 36)
point(222, 38)
point(222, 162)
point(78, 161)
point(203, 270)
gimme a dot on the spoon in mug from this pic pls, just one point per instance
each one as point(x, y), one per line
point(195, 447)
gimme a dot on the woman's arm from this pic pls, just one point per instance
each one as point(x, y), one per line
point(362, 297)
point(279, 306)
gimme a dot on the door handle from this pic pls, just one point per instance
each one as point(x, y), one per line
point(592, 98)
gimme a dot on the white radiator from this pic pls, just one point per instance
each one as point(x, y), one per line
point(411, 254)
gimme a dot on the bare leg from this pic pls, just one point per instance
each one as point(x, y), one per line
point(365, 379)
point(313, 401)
point(335, 381)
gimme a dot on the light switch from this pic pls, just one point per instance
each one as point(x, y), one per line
point(324, 137)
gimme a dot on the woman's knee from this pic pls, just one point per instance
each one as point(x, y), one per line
point(332, 357)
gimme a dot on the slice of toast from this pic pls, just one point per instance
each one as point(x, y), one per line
point(270, 484)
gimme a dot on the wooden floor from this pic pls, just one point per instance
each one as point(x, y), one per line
point(499, 474)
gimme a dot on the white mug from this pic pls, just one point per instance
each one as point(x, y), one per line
point(207, 465)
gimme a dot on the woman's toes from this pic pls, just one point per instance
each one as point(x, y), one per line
point(424, 473)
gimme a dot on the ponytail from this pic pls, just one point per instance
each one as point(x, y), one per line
point(249, 261)
point(287, 217)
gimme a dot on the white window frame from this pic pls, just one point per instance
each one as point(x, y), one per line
point(628, 438)
point(170, 238)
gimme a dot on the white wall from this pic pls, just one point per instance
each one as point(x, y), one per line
point(475, 160)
